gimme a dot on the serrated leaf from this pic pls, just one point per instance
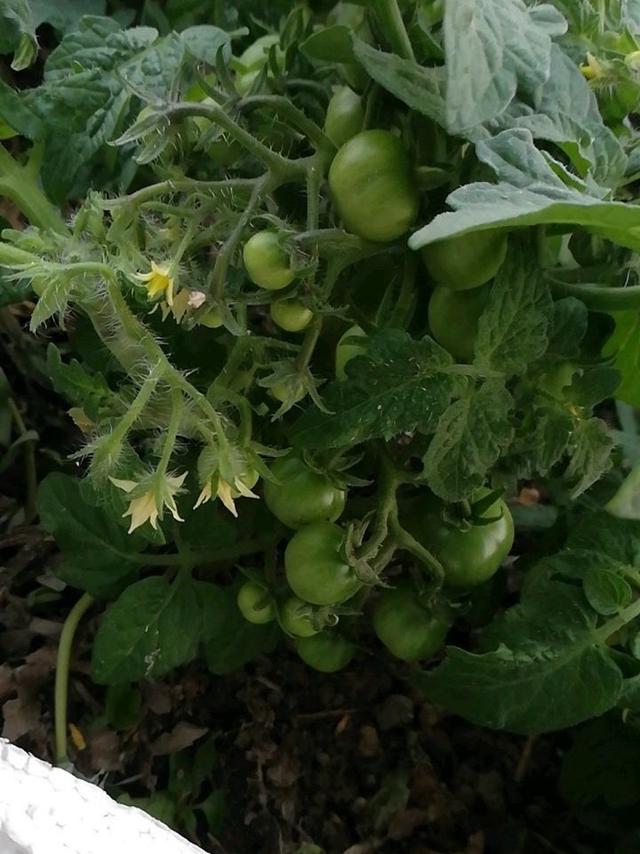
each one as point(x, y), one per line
point(230, 641)
point(471, 435)
point(546, 444)
point(98, 554)
point(493, 48)
point(606, 591)
point(76, 384)
point(565, 111)
point(152, 628)
point(552, 669)
point(204, 41)
point(615, 539)
point(568, 328)
point(528, 193)
point(592, 445)
point(401, 385)
point(512, 329)
point(592, 385)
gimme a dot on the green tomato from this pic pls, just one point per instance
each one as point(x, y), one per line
point(212, 319)
point(284, 391)
point(266, 262)
point(470, 555)
point(373, 186)
point(255, 604)
point(345, 352)
point(316, 569)
point(467, 261)
point(345, 116)
point(302, 496)
point(294, 620)
point(407, 628)
point(327, 651)
point(453, 319)
point(290, 315)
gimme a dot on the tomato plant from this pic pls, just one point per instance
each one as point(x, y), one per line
point(342, 274)
point(299, 495)
point(316, 569)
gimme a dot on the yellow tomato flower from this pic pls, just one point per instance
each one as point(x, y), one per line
point(226, 492)
point(158, 281)
point(592, 69)
point(148, 506)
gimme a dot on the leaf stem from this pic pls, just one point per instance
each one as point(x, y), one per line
point(620, 621)
point(599, 297)
point(62, 674)
point(392, 26)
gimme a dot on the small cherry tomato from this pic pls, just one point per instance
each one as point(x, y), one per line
point(212, 318)
point(295, 618)
point(373, 187)
point(266, 262)
point(301, 495)
point(327, 651)
point(316, 569)
point(407, 627)
point(467, 261)
point(255, 604)
point(453, 319)
point(291, 315)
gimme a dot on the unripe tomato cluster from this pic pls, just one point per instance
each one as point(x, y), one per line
point(321, 584)
point(375, 196)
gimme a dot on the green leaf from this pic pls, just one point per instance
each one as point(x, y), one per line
point(82, 102)
point(18, 33)
point(420, 88)
point(329, 44)
point(566, 112)
point(230, 641)
point(615, 539)
point(98, 554)
point(152, 628)
point(205, 41)
point(513, 328)
point(160, 805)
point(470, 437)
point(399, 386)
point(624, 344)
point(592, 445)
point(568, 328)
point(606, 591)
point(65, 15)
point(71, 380)
point(545, 445)
point(528, 193)
point(551, 670)
point(493, 48)
point(592, 385)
